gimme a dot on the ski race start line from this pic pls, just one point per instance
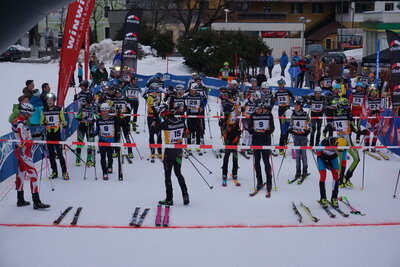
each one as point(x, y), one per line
point(185, 146)
point(235, 226)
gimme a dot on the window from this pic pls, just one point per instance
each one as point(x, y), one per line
point(296, 8)
point(267, 9)
point(345, 8)
point(364, 7)
point(328, 44)
point(389, 6)
point(106, 9)
point(107, 32)
point(317, 8)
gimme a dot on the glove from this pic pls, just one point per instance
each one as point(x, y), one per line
point(220, 122)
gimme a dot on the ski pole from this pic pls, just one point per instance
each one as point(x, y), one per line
point(208, 121)
point(254, 171)
point(41, 170)
point(210, 172)
point(145, 117)
point(94, 162)
point(280, 167)
point(45, 151)
point(137, 149)
point(209, 186)
point(397, 183)
point(363, 171)
point(273, 172)
point(73, 151)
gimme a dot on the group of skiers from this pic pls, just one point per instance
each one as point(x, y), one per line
point(245, 113)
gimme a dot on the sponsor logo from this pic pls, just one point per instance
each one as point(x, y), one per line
point(130, 54)
point(133, 19)
point(395, 45)
point(131, 36)
point(396, 68)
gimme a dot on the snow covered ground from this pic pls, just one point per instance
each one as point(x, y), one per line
point(220, 227)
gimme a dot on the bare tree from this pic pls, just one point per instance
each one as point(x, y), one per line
point(97, 15)
point(61, 20)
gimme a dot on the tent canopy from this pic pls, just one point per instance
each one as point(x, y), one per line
point(384, 60)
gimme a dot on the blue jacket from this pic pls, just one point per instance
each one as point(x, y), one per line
point(284, 60)
point(294, 71)
point(262, 62)
point(38, 105)
point(270, 61)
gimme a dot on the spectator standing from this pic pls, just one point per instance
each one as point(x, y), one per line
point(302, 65)
point(262, 62)
point(80, 72)
point(270, 64)
point(43, 96)
point(294, 72)
point(283, 61)
point(261, 77)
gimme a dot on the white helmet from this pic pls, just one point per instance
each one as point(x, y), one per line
point(194, 86)
point(264, 85)
point(26, 108)
point(104, 106)
point(233, 83)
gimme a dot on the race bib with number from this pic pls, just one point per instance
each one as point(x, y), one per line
point(299, 126)
point(107, 131)
point(132, 94)
point(358, 101)
point(316, 107)
point(193, 105)
point(173, 136)
point(53, 121)
point(342, 126)
point(261, 126)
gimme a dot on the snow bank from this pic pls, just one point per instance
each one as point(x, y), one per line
point(356, 53)
point(21, 48)
point(105, 50)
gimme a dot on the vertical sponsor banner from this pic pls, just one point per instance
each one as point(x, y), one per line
point(131, 39)
point(87, 45)
point(76, 25)
point(378, 57)
point(393, 40)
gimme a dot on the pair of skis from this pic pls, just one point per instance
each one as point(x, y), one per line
point(65, 212)
point(217, 153)
point(329, 212)
point(376, 155)
point(255, 191)
point(165, 221)
point(306, 209)
point(299, 179)
point(134, 220)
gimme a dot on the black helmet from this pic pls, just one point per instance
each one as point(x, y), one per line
point(258, 103)
point(84, 83)
point(298, 102)
point(113, 87)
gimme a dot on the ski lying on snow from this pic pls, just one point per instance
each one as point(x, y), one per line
point(384, 156)
point(372, 155)
point(76, 216)
point(134, 216)
point(63, 214)
point(243, 153)
point(296, 211)
point(142, 217)
point(255, 191)
point(308, 211)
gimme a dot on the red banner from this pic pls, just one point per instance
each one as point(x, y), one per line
point(76, 24)
point(87, 45)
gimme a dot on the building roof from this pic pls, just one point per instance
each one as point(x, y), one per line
point(324, 31)
point(291, 1)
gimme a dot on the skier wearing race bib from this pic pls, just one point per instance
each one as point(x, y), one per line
point(330, 110)
point(326, 81)
point(374, 109)
point(177, 101)
point(85, 117)
point(261, 127)
point(195, 104)
point(267, 96)
point(283, 97)
point(317, 107)
point(174, 129)
point(132, 92)
point(343, 125)
point(247, 108)
point(52, 117)
point(23, 153)
point(106, 129)
point(122, 108)
point(299, 129)
point(357, 102)
point(231, 133)
point(328, 159)
point(153, 108)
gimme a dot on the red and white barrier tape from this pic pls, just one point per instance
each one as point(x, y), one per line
point(184, 146)
point(218, 117)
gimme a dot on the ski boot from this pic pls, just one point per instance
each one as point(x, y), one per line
point(105, 176)
point(152, 156)
point(130, 155)
point(349, 184)
point(77, 162)
point(166, 202)
point(65, 176)
point(159, 155)
point(224, 177)
point(114, 155)
point(281, 152)
point(190, 151)
point(268, 194)
point(334, 202)
point(235, 180)
point(186, 199)
point(199, 151)
point(54, 175)
point(324, 203)
point(37, 204)
point(90, 163)
point(110, 170)
point(249, 152)
point(20, 199)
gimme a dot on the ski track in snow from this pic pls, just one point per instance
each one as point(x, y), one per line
point(110, 203)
